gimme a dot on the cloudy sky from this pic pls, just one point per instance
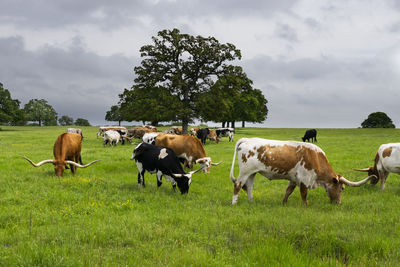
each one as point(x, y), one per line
point(320, 63)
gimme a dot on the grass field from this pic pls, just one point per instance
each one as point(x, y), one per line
point(100, 218)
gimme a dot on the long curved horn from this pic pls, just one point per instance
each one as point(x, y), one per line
point(40, 163)
point(362, 170)
point(355, 184)
point(215, 164)
point(195, 171)
point(79, 165)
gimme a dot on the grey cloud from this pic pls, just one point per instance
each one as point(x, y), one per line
point(286, 32)
point(75, 82)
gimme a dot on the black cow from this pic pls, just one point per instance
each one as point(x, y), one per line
point(162, 161)
point(310, 134)
point(202, 135)
point(222, 132)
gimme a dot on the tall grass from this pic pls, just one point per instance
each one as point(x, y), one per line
point(100, 217)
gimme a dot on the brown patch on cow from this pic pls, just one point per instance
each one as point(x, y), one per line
point(387, 152)
point(251, 153)
point(236, 188)
point(284, 158)
point(244, 158)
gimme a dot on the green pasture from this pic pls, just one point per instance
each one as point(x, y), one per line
point(99, 217)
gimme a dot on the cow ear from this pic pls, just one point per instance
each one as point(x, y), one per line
point(335, 180)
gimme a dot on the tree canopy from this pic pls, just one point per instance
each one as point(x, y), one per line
point(65, 120)
point(82, 122)
point(115, 114)
point(39, 110)
point(176, 77)
point(10, 112)
point(378, 120)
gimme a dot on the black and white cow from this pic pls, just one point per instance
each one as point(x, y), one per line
point(223, 132)
point(202, 134)
point(164, 162)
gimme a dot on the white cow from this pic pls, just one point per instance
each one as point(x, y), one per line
point(111, 137)
point(303, 164)
point(387, 160)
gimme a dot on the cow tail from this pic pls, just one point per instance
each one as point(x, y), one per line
point(234, 157)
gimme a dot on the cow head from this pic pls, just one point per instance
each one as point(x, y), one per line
point(206, 163)
point(184, 180)
point(337, 184)
point(59, 165)
point(371, 171)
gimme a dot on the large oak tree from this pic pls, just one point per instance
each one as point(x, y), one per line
point(184, 66)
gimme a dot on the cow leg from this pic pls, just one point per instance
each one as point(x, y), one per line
point(80, 159)
point(141, 172)
point(159, 179)
point(303, 193)
point(248, 187)
point(240, 182)
point(383, 177)
point(289, 191)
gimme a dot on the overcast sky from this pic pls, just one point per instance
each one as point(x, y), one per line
point(320, 63)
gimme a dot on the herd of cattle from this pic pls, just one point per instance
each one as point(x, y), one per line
point(163, 153)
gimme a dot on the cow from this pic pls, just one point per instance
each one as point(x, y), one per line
point(75, 130)
point(150, 138)
point(138, 132)
point(103, 129)
point(387, 160)
point(188, 148)
point(163, 162)
point(111, 137)
point(310, 134)
point(212, 136)
point(202, 134)
point(176, 129)
point(66, 150)
point(303, 164)
point(193, 131)
point(225, 132)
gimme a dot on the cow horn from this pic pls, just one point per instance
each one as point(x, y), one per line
point(215, 164)
point(192, 172)
point(40, 163)
point(362, 170)
point(79, 165)
point(355, 184)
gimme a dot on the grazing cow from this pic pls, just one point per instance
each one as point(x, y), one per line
point(225, 132)
point(304, 165)
point(387, 160)
point(151, 128)
point(212, 136)
point(111, 137)
point(202, 135)
point(176, 129)
point(150, 138)
point(138, 132)
point(66, 150)
point(193, 131)
point(310, 134)
point(162, 161)
point(103, 129)
point(188, 148)
point(75, 130)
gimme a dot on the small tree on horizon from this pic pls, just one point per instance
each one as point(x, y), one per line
point(82, 122)
point(378, 120)
point(65, 120)
point(39, 110)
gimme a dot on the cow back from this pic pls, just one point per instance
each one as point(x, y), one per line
point(182, 144)
point(67, 146)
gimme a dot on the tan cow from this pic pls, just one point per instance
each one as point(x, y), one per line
point(188, 148)
point(212, 136)
point(303, 164)
point(66, 150)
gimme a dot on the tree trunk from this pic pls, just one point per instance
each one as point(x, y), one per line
point(223, 124)
point(119, 123)
point(185, 124)
point(243, 124)
point(233, 124)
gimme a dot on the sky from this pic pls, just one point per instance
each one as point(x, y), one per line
point(319, 63)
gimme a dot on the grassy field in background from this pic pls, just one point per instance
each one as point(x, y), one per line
point(100, 218)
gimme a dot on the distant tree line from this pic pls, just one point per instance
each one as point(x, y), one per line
point(36, 110)
point(182, 78)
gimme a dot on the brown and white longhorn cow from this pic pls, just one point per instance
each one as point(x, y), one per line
point(66, 150)
point(387, 160)
point(188, 148)
point(303, 164)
